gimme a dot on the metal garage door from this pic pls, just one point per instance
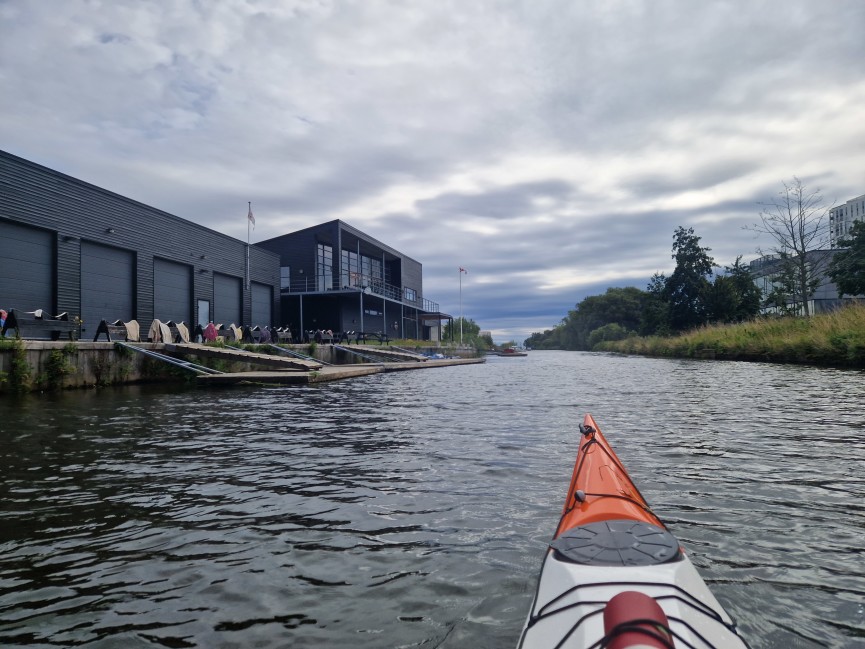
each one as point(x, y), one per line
point(262, 303)
point(107, 285)
point(227, 298)
point(172, 291)
point(26, 268)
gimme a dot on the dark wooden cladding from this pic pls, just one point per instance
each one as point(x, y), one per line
point(307, 305)
point(76, 211)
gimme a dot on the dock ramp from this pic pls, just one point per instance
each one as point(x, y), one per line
point(408, 354)
point(349, 349)
point(235, 354)
point(379, 354)
point(296, 354)
point(176, 362)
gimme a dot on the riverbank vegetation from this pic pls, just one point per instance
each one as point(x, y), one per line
point(467, 331)
point(836, 338)
point(690, 297)
point(696, 311)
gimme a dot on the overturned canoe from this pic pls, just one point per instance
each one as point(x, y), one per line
point(614, 576)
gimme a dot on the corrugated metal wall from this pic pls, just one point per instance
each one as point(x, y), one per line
point(227, 301)
point(107, 285)
point(262, 301)
point(26, 268)
point(76, 215)
point(172, 291)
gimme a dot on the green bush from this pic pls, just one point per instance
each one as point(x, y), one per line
point(836, 338)
point(58, 367)
point(18, 379)
point(610, 331)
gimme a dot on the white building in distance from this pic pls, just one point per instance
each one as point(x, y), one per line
point(841, 218)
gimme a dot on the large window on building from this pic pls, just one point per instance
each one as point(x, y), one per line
point(349, 268)
point(360, 270)
point(285, 278)
point(410, 295)
point(324, 267)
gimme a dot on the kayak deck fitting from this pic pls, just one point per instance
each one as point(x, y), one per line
point(614, 576)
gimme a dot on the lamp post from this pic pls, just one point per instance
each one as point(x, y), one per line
point(462, 270)
point(250, 221)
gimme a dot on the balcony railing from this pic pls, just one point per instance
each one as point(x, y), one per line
point(356, 283)
point(429, 306)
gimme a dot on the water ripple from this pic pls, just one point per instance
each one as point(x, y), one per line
point(413, 509)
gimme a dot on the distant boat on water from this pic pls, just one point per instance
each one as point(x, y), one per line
point(509, 351)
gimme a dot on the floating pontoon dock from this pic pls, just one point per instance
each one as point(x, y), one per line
point(297, 369)
point(254, 358)
point(329, 373)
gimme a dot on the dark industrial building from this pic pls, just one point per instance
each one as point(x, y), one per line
point(335, 277)
point(69, 246)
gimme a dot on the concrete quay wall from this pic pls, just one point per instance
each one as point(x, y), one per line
point(33, 366)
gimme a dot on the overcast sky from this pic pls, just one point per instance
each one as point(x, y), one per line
point(549, 147)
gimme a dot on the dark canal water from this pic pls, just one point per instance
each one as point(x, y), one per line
point(412, 509)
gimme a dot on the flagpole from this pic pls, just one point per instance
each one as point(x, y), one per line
point(461, 306)
point(248, 224)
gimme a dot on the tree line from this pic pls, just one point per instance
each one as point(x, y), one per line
point(694, 295)
point(468, 331)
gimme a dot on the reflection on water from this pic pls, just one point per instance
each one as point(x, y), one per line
point(413, 509)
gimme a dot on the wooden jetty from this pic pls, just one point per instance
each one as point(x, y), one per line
point(254, 358)
point(382, 354)
point(329, 373)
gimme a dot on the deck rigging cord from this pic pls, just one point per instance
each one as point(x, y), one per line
point(656, 631)
point(602, 642)
point(684, 597)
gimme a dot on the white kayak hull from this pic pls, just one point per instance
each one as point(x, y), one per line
point(567, 611)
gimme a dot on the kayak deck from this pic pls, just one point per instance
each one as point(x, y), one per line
point(609, 542)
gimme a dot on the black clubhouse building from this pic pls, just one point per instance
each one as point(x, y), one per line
point(69, 246)
point(334, 277)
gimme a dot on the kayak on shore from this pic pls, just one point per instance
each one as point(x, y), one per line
point(614, 576)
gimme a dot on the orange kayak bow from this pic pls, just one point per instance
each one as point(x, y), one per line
point(601, 488)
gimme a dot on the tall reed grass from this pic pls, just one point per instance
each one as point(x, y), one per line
point(836, 338)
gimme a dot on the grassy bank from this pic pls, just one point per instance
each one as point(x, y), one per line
point(836, 338)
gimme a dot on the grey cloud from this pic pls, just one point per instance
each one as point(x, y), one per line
point(501, 203)
point(518, 139)
point(703, 175)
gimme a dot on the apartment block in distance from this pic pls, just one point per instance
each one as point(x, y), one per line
point(841, 218)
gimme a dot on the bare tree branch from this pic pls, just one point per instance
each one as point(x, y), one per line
point(797, 224)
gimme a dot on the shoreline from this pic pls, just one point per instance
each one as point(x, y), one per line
point(28, 366)
point(835, 339)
